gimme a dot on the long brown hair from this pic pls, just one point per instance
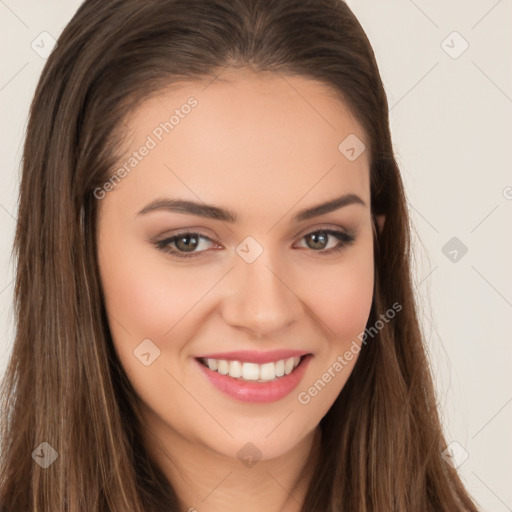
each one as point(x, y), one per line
point(382, 438)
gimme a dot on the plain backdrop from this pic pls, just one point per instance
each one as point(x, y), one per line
point(447, 71)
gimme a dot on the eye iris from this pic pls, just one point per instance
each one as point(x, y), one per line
point(183, 243)
point(319, 240)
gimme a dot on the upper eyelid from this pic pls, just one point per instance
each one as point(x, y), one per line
point(302, 233)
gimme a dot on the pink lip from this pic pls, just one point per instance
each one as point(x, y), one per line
point(256, 391)
point(249, 356)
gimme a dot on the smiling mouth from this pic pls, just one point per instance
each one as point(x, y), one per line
point(253, 372)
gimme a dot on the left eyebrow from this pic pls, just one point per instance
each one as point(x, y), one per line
point(329, 206)
point(218, 213)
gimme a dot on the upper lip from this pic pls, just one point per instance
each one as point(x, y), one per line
point(250, 356)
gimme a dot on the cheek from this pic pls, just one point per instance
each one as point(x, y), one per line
point(144, 300)
point(341, 296)
point(343, 309)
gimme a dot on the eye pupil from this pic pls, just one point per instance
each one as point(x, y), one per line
point(319, 239)
point(183, 243)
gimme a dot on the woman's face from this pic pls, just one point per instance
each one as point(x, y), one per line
point(266, 279)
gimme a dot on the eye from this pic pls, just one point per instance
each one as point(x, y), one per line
point(318, 240)
point(185, 244)
point(190, 244)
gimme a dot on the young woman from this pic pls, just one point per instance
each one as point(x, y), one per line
point(213, 293)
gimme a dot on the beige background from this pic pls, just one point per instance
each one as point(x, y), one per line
point(451, 115)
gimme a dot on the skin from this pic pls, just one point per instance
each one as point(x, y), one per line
point(263, 147)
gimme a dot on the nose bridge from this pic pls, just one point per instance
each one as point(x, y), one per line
point(263, 301)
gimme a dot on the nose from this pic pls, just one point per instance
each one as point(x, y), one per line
point(262, 299)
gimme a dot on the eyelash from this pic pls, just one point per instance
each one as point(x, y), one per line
point(345, 240)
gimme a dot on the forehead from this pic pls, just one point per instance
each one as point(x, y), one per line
point(270, 138)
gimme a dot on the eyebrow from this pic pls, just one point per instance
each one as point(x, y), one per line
point(218, 213)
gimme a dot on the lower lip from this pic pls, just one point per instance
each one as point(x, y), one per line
point(257, 391)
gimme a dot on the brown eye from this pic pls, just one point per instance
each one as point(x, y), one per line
point(182, 243)
point(318, 240)
point(187, 243)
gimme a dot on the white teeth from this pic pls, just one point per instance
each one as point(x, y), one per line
point(212, 364)
point(235, 369)
point(252, 371)
point(288, 366)
point(268, 371)
point(223, 366)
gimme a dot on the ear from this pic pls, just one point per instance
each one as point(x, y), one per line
point(380, 221)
